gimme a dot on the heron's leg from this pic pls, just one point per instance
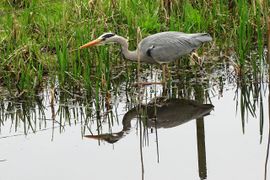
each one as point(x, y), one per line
point(199, 60)
point(163, 73)
point(163, 82)
point(168, 72)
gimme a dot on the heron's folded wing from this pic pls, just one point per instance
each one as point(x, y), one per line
point(167, 49)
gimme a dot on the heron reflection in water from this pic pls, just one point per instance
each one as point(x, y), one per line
point(163, 113)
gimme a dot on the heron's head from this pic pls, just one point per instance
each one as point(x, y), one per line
point(101, 40)
point(110, 138)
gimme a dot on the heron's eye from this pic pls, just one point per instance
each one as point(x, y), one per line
point(105, 36)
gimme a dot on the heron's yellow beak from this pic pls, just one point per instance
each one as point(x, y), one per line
point(91, 43)
point(93, 137)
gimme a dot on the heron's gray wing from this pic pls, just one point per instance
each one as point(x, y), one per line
point(169, 47)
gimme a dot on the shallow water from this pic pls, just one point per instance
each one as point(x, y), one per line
point(50, 142)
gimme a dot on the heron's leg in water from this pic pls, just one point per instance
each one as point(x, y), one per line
point(164, 78)
point(168, 73)
point(163, 73)
point(196, 58)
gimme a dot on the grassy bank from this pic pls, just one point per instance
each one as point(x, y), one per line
point(39, 38)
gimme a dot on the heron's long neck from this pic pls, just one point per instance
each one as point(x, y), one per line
point(131, 55)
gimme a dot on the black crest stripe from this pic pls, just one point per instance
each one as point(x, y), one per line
point(107, 35)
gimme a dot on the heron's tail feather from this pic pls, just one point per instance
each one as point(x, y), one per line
point(203, 37)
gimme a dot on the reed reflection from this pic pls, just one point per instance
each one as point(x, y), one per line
point(199, 96)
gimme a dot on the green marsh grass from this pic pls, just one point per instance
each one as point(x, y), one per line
point(40, 38)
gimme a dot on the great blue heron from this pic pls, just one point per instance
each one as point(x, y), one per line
point(161, 48)
point(161, 113)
